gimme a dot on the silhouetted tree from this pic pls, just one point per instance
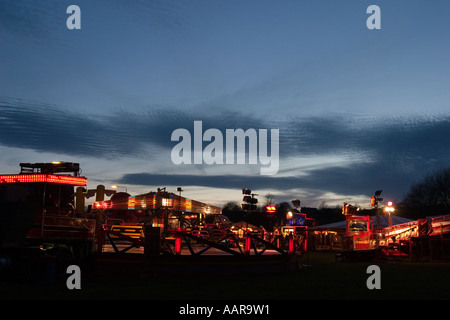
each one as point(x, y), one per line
point(324, 214)
point(283, 208)
point(269, 198)
point(233, 211)
point(431, 196)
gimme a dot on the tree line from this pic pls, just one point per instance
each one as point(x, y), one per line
point(428, 197)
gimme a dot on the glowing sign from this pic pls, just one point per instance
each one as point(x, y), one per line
point(167, 202)
point(131, 203)
point(48, 178)
point(295, 219)
point(188, 205)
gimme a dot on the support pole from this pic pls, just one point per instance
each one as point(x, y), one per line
point(291, 243)
point(152, 240)
point(247, 244)
point(100, 239)
point(178, 243)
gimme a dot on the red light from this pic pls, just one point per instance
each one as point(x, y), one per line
point(291, 243)
point(97, 205)
point(247, 244)
point(271, 209)
point(49, 178)
point(390, 203)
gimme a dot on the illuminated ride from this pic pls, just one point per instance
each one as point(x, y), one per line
point(126, 217)
point(160, 208)
point(423, 239)
point(44, 226)
point(161, 229)
point(359, 239)
point(38, 220)
point(296, 228)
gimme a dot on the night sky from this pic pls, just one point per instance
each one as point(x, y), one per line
point(357, 109)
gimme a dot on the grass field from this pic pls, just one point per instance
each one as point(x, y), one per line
point(322, 278)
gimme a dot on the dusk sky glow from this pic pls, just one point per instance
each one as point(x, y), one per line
point(357, 110)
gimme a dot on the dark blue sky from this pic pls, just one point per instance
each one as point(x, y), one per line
point(357, 109)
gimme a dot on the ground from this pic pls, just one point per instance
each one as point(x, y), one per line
point(322, 278)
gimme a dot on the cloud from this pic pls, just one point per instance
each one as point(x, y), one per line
point(113, 134)
point(32, 21)
point(354, 155)
point(352, 158)
point(42, 127)
point(361, 179)
point(119, 132)
point(38, 21)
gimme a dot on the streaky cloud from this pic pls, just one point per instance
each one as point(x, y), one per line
point(388, 151)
